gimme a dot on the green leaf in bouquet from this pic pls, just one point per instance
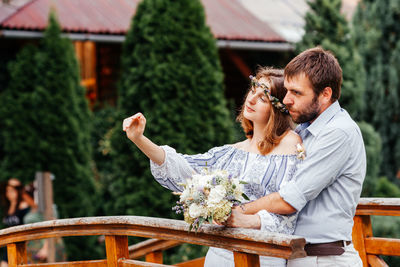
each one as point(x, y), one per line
point(210, 219)
point(243, 182)
point(245, 197)
point(201, 221)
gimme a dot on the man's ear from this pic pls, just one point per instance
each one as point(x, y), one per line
point(326, 95)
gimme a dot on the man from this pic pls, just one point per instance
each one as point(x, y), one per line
point(327, 184)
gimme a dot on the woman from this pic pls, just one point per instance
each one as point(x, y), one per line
point(16, 205)
point(265, 160)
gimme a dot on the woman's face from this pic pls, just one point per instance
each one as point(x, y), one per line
point(257, 106)
point(11, 193)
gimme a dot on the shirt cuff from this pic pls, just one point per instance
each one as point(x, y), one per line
point(157, 168)
point(266, 221)
point(292, 195)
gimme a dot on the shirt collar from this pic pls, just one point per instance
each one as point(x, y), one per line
point(324, 118)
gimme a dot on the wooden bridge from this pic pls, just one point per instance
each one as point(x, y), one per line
point(247, 245)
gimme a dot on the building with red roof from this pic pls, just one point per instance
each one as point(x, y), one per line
point(98, 28)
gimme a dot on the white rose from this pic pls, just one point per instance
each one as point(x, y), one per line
point(216, 195)
point(196, 210)
point(202, 181)
point(185, 195)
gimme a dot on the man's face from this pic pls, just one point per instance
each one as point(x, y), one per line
point(301, 100)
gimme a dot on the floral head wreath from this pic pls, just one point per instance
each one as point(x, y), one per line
point(274, 100)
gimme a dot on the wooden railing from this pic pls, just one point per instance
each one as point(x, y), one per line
point(368, 246)
point(246, 244)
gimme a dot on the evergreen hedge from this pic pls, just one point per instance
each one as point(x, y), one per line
point(327, 27)
point(47, 128)
point(171, 73)
point(377, 35)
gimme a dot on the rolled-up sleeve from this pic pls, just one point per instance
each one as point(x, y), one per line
point(325, 159)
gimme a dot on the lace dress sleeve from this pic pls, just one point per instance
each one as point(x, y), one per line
point(179, 167)
point(284, 224)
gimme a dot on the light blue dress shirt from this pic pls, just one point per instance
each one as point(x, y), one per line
point(327, 185)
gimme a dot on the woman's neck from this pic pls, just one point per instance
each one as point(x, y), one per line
point(258, 136)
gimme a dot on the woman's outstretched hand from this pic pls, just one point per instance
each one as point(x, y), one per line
point(134, 126)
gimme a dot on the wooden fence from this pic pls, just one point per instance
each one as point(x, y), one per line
point(246, 244)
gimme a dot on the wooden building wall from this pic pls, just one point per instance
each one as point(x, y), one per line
point(100, 70)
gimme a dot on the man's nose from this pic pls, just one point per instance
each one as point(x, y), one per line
point(287, 100)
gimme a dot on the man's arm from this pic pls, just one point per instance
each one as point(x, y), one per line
point(273, 203)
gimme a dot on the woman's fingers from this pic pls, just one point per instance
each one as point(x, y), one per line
point(133, 119)
point(126, 124)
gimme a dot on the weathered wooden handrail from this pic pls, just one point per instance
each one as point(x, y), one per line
point(368, 246)
point(246, 244)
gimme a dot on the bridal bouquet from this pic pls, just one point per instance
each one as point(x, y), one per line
point(209, 197)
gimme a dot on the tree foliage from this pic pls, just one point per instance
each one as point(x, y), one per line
point(373, 148)
point(171, 73)
point(377, 35)
point(47, 126)
point(327, 27)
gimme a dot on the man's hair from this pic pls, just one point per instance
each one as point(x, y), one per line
point(320, 67)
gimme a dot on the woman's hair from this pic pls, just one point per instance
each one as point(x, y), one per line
point(4, 200)
point(278, 122)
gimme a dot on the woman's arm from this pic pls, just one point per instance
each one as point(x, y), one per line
point(240, 220)
point(134, 127)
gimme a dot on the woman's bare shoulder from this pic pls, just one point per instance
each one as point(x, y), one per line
point(240, 144)
point(289, 142)
point(292, 138)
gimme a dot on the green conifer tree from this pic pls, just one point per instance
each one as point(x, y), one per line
point(377, 35)
point(327, 27)
point(171, 73)
point(47, 127)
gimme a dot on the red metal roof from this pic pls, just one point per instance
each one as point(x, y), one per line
point(228, 19)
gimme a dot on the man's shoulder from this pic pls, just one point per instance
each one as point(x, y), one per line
point(342, 123)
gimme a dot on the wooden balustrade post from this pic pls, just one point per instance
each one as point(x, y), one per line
point(116, 248)
point(155, 257)
point(362, 228)
point(44, 184)
point(246, 259)
point(16, 253)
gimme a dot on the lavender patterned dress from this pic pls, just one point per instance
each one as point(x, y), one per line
point(263, 174)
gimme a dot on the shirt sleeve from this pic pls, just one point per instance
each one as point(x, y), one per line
point(319, 169)
point(272, 222)
point(179, 167)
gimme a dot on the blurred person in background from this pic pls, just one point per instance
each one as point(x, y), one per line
point(16, 204)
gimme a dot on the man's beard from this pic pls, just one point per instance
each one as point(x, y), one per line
point(310, 113)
